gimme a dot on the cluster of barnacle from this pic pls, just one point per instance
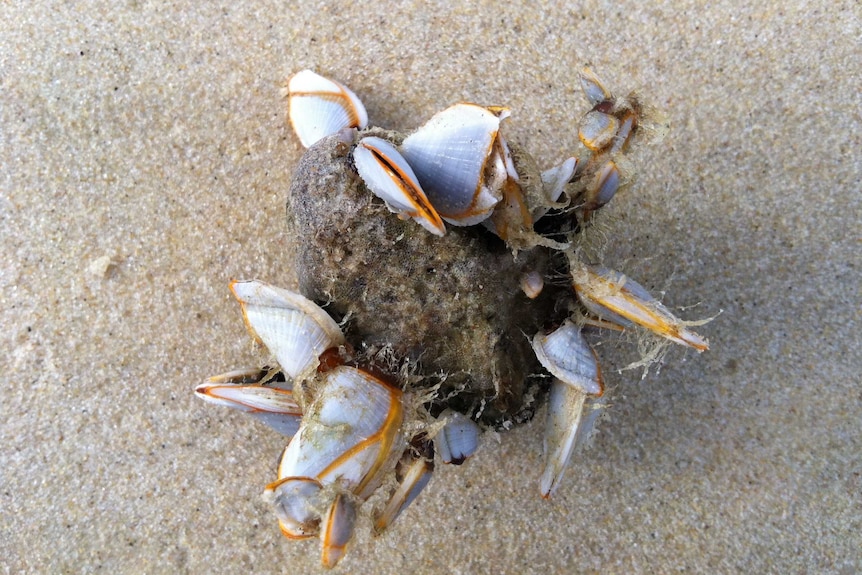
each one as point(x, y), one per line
point(434, 342)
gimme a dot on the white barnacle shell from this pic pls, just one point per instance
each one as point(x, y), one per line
point(337, 530)
point(295, 500)
point(532, 284)
point(245, 391)
point(555, 179)
point(318, 107)
point(569, 358)
point(388, 175)
point(458, 439)
point(593, 88)
point(349, 437)
point(457, 160)
point(621, 300)
point(554, 182)
point(604, 185)
point(292, 327)
point(598, 129)
point(413, 472)
point(572, 415)
point(348, 434)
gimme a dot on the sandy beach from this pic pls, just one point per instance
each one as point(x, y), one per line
point(145, 161)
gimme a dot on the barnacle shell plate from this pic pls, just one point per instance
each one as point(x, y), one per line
point(571, 418)
point(338, 524)
point(569, 358)
point(598, 129)
point(388, 175)
point(274, 406)
point(318, 107)
point(458, 439)
point(291, 326)
point(450, 155)
point(555, 179)
point(593, 88)
point(350, 432)
point(605, 185)
point(415, 478)
point(619, 299)
point(295, 501)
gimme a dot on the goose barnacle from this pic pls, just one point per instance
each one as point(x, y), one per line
point(593, 88)
point(614, 297)
point(259, 392)
point(598, 129)
point(390, 177)
point(459, 162)
point(576, 385)
point(554, 182)
point(532, 284)
point(290, 325)
point(458, 439)
point(318, 107)
point(565, 354)
point(350, 437)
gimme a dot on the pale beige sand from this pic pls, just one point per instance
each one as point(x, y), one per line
point(145, 161)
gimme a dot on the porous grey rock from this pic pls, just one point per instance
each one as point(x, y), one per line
point(451, 304)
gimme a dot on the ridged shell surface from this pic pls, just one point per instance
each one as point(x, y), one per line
point(318, 107)
point(349, 432)
point(566, 354)
point(294, 329)
point(388, 175)
point(619, 299)
point(449, 154)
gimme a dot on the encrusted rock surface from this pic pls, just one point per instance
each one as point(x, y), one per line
point(451, 304)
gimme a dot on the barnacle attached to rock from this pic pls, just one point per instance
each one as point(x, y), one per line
point(425, 336)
